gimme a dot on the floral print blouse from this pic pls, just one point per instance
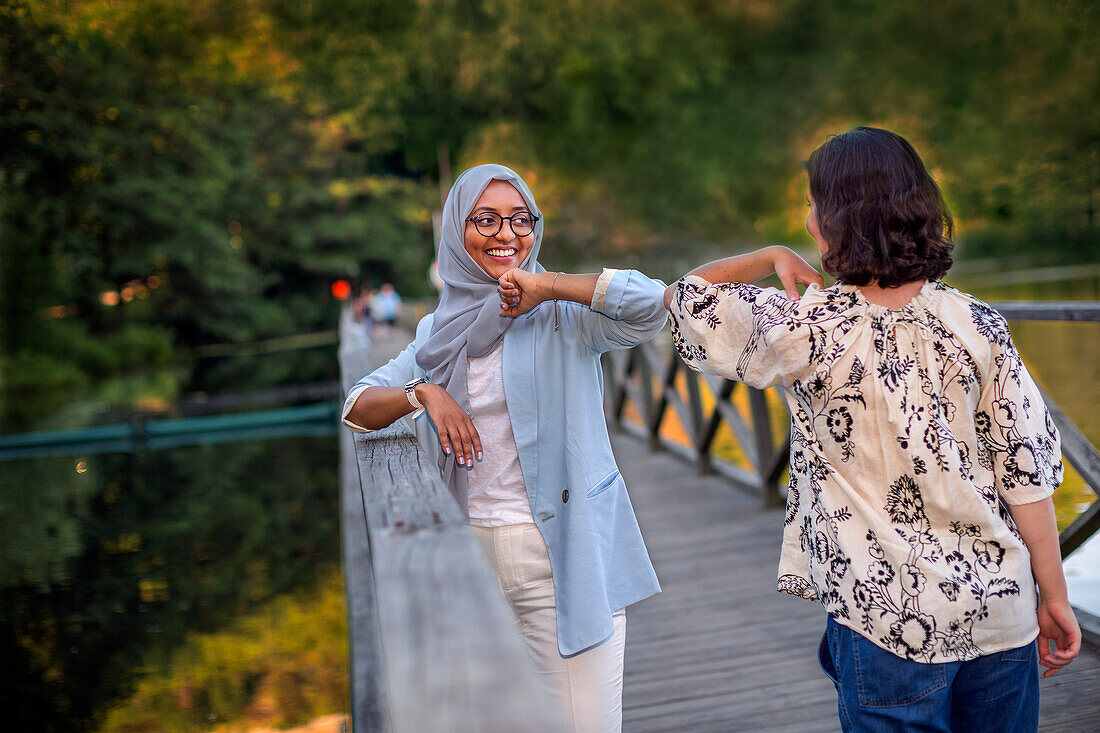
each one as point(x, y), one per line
point(912, 427)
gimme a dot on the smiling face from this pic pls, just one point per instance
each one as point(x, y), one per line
point(500, 253)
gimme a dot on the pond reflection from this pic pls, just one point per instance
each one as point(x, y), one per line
point(110, 564)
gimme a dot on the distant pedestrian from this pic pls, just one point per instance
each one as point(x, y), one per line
point(361, 306)
point(385, 305)
point(922, 456)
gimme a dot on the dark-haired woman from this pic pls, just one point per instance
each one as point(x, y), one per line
point(913, 420)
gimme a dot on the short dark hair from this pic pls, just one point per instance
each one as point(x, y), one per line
point(879, 210)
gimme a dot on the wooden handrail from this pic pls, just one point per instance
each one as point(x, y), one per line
point(1025, 310)
point(434, 646)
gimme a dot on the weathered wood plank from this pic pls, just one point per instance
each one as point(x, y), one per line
point(363, 642)
point(364, 646)
point(453, 658)
point(1022, 310)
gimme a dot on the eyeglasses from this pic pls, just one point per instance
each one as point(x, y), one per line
point(489, 223)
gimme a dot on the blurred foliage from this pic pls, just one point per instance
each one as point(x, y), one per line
point(160, 184)
point(215, 164)
point(111, 563)
point(279, 666)
point(33, 383)
point(655, 122)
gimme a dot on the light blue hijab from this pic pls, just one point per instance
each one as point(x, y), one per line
point(467, 322)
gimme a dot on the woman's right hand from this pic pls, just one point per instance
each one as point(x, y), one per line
point(793, 271)
point(455, 428)
point(520, 291)
point(1057, 623)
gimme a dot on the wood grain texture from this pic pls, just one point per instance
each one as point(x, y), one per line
point(453, 658)
point(364, 646)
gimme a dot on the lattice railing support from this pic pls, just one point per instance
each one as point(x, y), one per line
point(631, 378)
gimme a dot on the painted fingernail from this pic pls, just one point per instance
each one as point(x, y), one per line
point(446, 450)
point(480, 455)
point(461, 461)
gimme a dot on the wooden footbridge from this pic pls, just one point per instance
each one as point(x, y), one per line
point(433, 646)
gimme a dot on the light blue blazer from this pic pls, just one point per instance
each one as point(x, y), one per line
point(553, 385)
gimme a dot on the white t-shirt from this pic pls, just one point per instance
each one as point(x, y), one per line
point(497, 496)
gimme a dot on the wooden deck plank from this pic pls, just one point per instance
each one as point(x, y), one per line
point(719, 649)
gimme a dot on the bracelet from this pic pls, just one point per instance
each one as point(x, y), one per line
point(553, 295)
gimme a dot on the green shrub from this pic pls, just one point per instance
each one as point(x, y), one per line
point(33, 384)
point(140, 347)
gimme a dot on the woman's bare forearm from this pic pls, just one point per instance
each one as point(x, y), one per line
point(1039, 529)
point(378, 407)
point(567, 286)
point(746, 268)
point(520, 292)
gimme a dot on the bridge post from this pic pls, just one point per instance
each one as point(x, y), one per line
point(364, 645)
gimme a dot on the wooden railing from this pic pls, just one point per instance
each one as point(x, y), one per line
point(654, 379)
point(641, 385)
point(434, 646)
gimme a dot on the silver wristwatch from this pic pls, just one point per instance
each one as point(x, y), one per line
point(410, 392)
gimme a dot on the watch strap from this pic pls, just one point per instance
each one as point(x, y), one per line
point(410, 392)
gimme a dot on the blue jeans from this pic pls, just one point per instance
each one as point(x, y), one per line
point(879, 691)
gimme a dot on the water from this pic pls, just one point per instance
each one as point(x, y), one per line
point(177, 575)
point(1082, 576)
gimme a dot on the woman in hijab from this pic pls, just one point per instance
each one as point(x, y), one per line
point(505, 382)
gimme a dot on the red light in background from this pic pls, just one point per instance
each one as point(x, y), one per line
point(341, 289)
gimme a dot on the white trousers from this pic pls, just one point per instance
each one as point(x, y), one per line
point(589, 685)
